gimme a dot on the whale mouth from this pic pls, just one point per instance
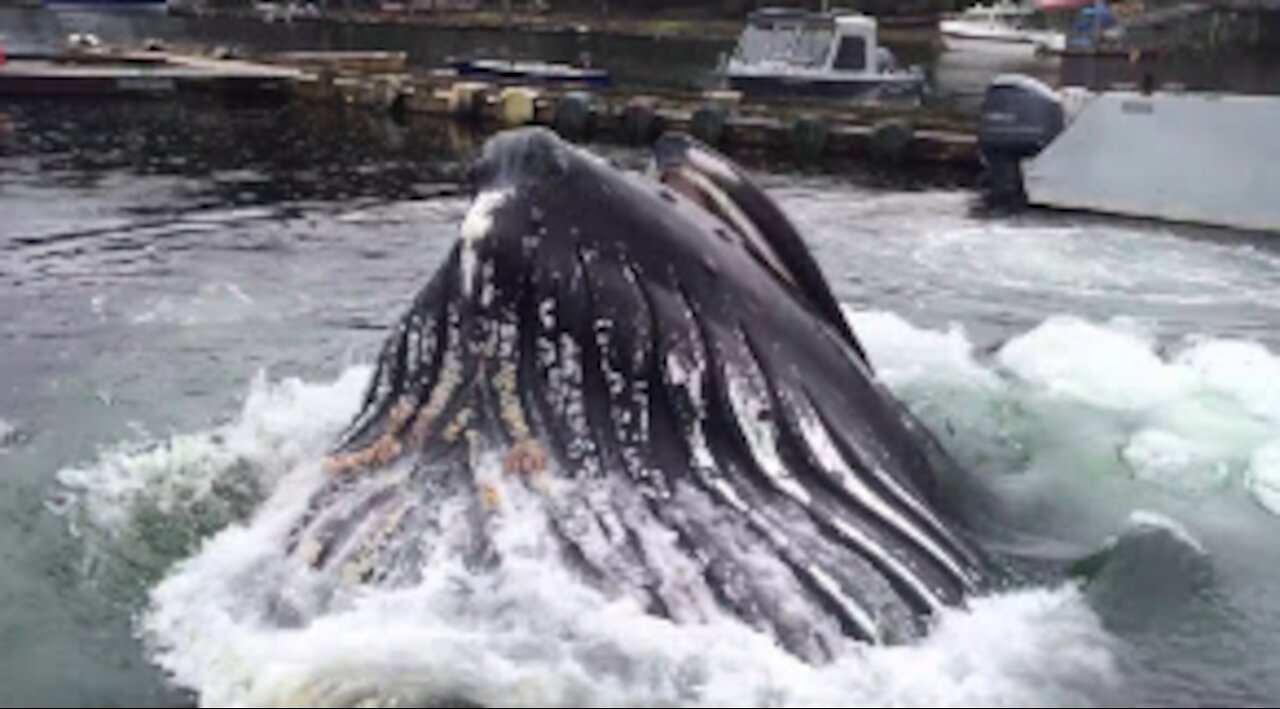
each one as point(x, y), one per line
point(649, 370)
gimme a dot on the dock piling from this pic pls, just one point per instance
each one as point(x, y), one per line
point(808, 138)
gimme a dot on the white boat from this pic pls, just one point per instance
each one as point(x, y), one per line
point(819, 55)
point(1005, 28)
point(1186, 157)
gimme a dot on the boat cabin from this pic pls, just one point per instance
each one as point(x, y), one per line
point(1005, 14)
point(791, 53)
point(812, 42)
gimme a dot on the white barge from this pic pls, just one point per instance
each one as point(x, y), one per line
point(1187, 157)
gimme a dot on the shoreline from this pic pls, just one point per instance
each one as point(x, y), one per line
point(914, 31)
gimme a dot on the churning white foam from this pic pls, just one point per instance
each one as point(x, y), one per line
point(533, 636)
point(280, 426)
point(1201, 417)
point(243, 624)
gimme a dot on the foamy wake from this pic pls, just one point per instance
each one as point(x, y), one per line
point(243, 624)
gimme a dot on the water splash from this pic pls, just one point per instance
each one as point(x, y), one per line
point(1200, 417)
point(153, 503)
point(532, 634)
point(242, 623)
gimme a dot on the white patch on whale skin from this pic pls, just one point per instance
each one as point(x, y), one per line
point(567, 397)
point(475, 229)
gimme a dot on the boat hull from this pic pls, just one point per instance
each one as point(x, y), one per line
point(1020, 48)
point(905, 89)
point(962, 36)
point(1196, 158)
point(532, 73)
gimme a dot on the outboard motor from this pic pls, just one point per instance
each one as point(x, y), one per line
point(1020, 117)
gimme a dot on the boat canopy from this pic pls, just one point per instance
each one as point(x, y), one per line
point(805, 40)
point(793, 16)
point(1000, 10)
point(1058, 5)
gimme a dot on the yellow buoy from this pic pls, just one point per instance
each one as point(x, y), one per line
point(517, 106)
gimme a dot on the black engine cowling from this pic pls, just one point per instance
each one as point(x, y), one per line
point(1020, 117)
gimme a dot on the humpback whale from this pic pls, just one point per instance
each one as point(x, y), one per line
point(653, 368)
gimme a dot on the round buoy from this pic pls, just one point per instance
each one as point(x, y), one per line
point(891, 140)
point(466, 100)
point(517, 106)
point(809, 136)
point(641, 124)
point(574, 115)
point(709, 124)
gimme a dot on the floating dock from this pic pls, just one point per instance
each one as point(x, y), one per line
point(806, 131)
point(382, 81)
point(116, 74)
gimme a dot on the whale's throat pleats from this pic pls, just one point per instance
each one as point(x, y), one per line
point(601, 375)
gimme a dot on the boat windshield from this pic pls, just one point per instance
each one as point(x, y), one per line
point(1005, 15)
point(796, 45)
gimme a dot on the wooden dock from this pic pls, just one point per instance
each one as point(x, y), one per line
point(100, 73)
point(895, 135)
point(382, 81)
